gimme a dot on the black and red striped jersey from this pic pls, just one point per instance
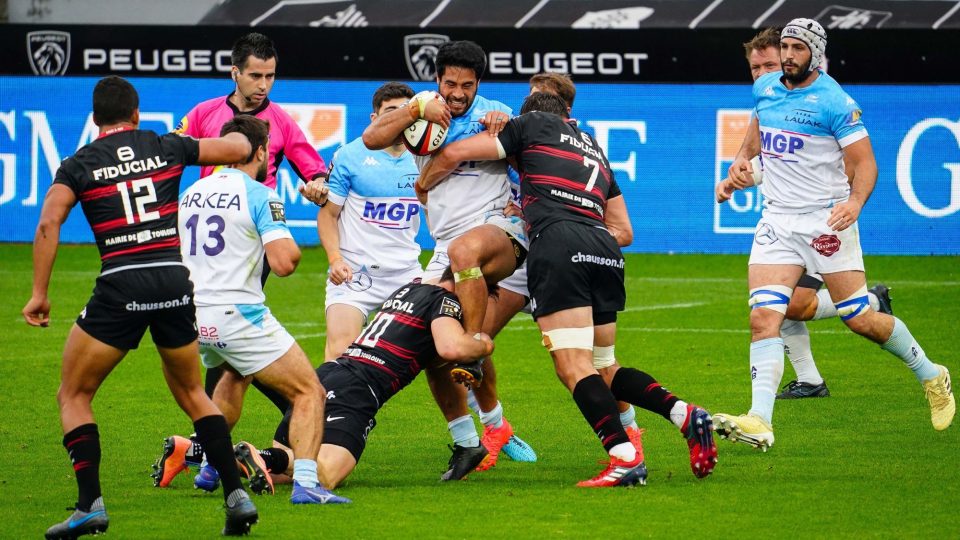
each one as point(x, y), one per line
point(564, 174)
point(398, 342)
point(128, 184)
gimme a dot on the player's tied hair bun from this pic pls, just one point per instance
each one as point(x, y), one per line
point(423, 137)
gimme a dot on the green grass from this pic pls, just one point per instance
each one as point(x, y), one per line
point(865, 462)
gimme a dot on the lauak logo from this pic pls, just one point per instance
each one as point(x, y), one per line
point(740, 214)
point(48, 51)
point(420, 51)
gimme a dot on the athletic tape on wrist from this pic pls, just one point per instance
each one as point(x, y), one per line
point(603, 357)
point(466, 274)
point(569, 338)
point(774, 297)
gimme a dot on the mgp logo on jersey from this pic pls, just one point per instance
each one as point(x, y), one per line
point(391, 213)
point(420, 51)
point(48, 52)
point(740, 214)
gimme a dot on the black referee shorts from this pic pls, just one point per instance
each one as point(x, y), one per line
point(574, 265)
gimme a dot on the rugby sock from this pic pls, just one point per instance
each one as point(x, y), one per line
point(678, 414)
point(83, 447)
point(628, 418)
point(766, 370)
point(464, 432)
point(277, 459)
point(600, 410)
point(825, 307)
point(796, 343)
point(214, 436)
point(493, 418)
point(638, 387)
point(282, 434)
point(902, 344)
point(194, 456)
point(305, 472)
point(472, 402)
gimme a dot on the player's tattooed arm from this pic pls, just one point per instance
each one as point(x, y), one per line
point(741, 171)
point(56, 207)
point(455, 345)
point(617, 220)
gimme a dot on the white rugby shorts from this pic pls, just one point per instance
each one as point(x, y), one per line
point(248, 337)
point(806, 240)
point(367, 291)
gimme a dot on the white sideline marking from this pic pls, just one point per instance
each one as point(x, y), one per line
point(666, 306)
point(743, 281)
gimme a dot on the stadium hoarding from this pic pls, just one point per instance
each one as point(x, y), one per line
point(668, 145)
point(651, 55)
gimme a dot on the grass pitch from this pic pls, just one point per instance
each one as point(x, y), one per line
point(864, 462)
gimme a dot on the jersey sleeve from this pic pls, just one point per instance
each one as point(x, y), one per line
point(268, 213)
point(180, 149)
point(302, 156)
point(339, 179)
point(65, 175)
point(614, 189)
point(846, 124)
point(446, 305)
point(512, 137)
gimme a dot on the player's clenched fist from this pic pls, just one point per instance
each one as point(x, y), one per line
point(315, 191)
point(37, 312)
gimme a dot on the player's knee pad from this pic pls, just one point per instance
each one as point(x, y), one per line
point(773, 297)
point(603, 357)
point(467, 274)
point(569, 338)
point(856, 304)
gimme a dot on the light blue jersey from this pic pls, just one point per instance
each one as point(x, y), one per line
point(381, 216)
point(225, 220)
point(475, 188)
point(802, 135)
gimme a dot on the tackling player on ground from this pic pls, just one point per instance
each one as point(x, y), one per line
point(127, 182)
point(810, 222)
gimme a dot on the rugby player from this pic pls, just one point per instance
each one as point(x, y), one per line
point(473, 197)
point(417, 326)
point(810, 222)
point(127, 181)
point(763, 56)
point(576, 277)
point(229, 221)
point(371, 252)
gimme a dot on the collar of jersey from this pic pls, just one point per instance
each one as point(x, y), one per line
point(263, 106)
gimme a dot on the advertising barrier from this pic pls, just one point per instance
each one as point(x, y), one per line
point(668, 145)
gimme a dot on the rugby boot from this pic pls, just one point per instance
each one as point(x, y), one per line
point(93, 521)
point(315, 495)
point(883, 298)
point(635, 435)
point(698, 430)
point(747, 428)
point(619, 473)
point(469, 375)
point(518, 450)
point(494, 439)
point(172, 462)
point(253, 467)
point(940, 395)
point(800, 390)
point(208, 479)
point(463, 460)
point(241, 514)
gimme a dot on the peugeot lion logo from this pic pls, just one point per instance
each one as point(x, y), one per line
point(420, 51)
point(48, 52)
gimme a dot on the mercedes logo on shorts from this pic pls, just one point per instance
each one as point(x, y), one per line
point(765, 235)
point(360, 282)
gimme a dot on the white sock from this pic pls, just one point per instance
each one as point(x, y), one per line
point(678, 413)
point(305, 472)
point(766, 370)
point(796, 343)
point(464, 432)
point(628, 418)
point(902, 344)
point(472, 401)
point(493, 418)
point(624, 451)
point(825, 307)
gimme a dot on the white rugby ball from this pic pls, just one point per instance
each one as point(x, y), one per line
point(757, 170)
point(422, 137)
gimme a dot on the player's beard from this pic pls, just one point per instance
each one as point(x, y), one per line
point(465, 103)
point(798, 76)
point(262, 172)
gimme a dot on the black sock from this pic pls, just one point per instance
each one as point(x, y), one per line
point(276, 459)
point(282, 434)
point(83, 447)
point(600, 409)
point(639, 388)
point(214, 436)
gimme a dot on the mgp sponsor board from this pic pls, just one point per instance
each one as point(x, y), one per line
point(667, 144)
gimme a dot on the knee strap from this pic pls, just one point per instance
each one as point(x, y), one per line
point(774, 297)
point(857, 304)
point(603, 357)
point(569, 338)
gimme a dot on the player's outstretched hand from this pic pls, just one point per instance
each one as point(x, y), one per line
point(340, 272)
point(740, 173)
point(436, 111)
point(724, 191)
point(844, 215)
point(495, 121)
point(37, 312)
point(315, 191)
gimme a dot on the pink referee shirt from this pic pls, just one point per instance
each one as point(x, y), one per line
point(286, 139)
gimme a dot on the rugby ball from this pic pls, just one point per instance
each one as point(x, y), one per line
point(422, 137)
